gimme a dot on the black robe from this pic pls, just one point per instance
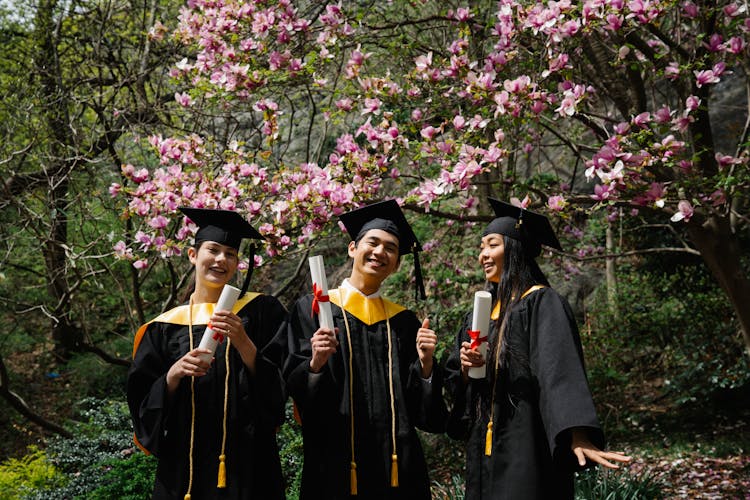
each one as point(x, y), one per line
point(323, 402)
point(540, 394)
point(255, 406)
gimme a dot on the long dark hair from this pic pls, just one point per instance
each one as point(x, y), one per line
point(520, 272)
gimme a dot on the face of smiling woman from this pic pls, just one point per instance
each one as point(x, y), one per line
point(491, 256)
point(215, 264)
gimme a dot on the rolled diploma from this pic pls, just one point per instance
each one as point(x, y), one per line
point(226, 302)
point(481, 321)
point(318, 275)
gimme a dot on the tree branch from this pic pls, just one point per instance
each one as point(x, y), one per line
point(86, 347)
point(21, 407)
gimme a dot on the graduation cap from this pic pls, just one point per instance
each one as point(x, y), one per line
point(226, 227)
point(387, 216)
point(531, 228)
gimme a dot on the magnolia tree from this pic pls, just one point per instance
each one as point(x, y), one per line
point(302, 111)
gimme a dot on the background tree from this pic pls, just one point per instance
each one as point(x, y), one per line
point(325, 106)
point(78, 80)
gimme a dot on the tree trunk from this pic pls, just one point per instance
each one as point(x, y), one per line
point(721, 251)
point(64, 334)
point(610, 272)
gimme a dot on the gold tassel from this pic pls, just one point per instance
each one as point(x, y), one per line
point(394, 471)
point(353, 478)
point(488, 440)
point(187, 496)
point(222, 483)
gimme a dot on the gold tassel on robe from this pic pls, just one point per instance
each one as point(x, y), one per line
point(394, 471)
point(488, 440)
point(222, 483)
point(353, 478)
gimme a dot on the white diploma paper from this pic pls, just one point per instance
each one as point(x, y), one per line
point(318, 275)
point(226, 302)
point(481, 322)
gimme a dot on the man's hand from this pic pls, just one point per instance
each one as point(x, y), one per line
point(324, 344)
point(426, 342)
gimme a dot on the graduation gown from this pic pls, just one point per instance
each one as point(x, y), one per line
point(323, 401)
point(540, 394)
point(255, 406)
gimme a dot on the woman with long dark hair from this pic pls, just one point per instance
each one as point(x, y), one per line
point(530, 423)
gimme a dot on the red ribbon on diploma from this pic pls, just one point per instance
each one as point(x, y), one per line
point(216, 336)
point(476, 340)
point(317, 298)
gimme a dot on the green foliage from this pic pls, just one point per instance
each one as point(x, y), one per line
point(130, 479)
point(676, 326)
point(290, 453)
point(103, 435)
point(455, 490)
point(18, 476)
point(601, 484)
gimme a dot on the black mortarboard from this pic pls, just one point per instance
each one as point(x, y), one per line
point(530, 228)
point(387, 216)
point(226, 227)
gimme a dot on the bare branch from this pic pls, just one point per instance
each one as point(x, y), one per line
point(21, 407)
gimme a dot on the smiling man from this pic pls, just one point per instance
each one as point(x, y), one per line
point(363, 388)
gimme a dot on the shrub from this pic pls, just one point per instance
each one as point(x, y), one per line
point(19, 476)
point(130, 479)
point(291, 453)
point(103, 436)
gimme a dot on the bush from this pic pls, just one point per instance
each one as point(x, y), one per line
point(19, 476)
point(675, 326)
point(291, 453)
point(130, 479)
point(103, 436)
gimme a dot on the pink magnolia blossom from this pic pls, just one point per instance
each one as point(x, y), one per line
point(521, 203)
point(122, 251)
point(601, 193)
point(684, 211)
point(428, 132)
point(183, 99)
point(714, 43)
point(140, 264)
point(735, 45)
point(556, 203)
point(732, 10)
point(705, 77)
point(690, 10)
point(459, 122)
point(672, 71)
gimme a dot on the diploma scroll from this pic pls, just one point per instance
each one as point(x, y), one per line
point(211, 338)
point(321, 305)
point(480, 328)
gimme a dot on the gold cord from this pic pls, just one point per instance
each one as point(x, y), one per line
point(192, 404)
point(488, 436)
point(222, 479)
point(353, 462)
point(394, 456)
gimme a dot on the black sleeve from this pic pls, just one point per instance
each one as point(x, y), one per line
point(308, 390)
point(147, 394)
point(266, 391)
point(424, 397)
point(556, 360)
point(459, 392)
